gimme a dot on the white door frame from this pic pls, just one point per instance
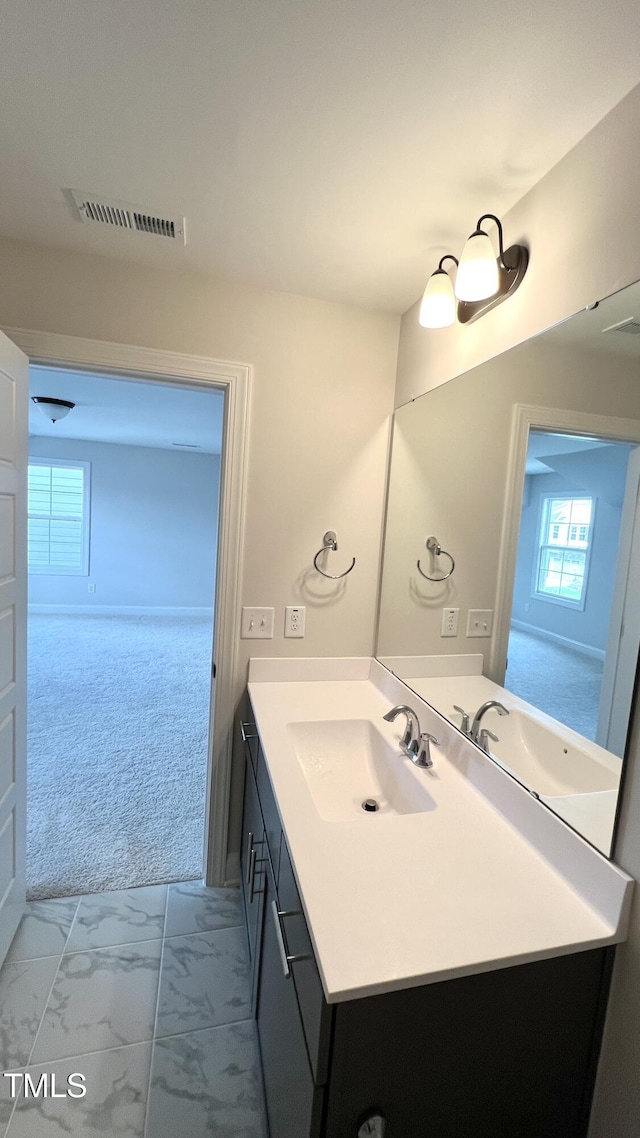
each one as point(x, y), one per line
point(72, 352)
point(528, 418)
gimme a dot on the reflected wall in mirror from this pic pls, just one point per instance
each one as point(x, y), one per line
point(526, 470)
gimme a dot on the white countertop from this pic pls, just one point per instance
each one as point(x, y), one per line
point(486, 880)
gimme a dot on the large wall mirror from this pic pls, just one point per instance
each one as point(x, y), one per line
point(526, 472)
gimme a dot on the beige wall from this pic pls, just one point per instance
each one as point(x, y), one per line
point(322, 396)
point(582, 225)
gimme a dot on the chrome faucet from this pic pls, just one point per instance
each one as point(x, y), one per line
point(415, 743)
point(410, 740)
point(474, 731)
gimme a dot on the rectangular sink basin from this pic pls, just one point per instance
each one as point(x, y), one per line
point(347, 761)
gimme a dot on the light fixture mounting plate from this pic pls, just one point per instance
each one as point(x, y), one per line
point(512, 270)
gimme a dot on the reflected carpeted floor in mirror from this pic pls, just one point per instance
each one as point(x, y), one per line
point(559, 681)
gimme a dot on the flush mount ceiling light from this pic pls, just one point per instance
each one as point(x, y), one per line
point(438, 308)
point(52, 409)
point(482, 280)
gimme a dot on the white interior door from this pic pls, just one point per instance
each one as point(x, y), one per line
point(624, 626)
point(14, 388)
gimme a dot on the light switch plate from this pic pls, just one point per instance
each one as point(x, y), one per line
point(480, 622)
point(257, 624)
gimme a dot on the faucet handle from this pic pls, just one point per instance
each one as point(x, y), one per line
point(486, 734)
point(423, 757)
point(464, 726)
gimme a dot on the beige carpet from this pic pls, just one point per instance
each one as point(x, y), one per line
point(117, 751)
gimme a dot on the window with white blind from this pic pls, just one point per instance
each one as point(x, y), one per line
point(58, 496)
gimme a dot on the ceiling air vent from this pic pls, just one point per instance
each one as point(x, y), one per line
point(631, 326)
point(123, 215)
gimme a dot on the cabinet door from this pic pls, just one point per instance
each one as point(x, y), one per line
point(315, 1012)
point(293, 1103)
point(252, 868)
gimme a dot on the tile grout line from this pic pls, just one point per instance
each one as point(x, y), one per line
point(155, 1018)
point(44, 1011)
point(197, 1030)
point(203, 932)
point(46, 1004)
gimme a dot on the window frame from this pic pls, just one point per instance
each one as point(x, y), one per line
point(52, 570)
point(540, 546)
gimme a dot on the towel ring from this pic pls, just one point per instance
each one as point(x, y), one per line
point(330, 541)
point(434, 547)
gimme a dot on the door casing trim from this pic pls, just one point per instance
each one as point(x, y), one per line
point(234, 379)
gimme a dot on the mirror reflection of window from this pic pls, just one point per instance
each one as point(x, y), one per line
point(564, 543)
point(565, 575)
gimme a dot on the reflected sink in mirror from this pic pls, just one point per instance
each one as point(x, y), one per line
point(347, 761)
point(554, 762)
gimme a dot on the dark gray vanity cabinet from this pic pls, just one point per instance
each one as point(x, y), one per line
point(294, 1103)
point(505, 1054)
point(252, 857)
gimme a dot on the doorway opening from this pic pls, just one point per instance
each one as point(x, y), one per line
point(124, 496)
point(578, 512)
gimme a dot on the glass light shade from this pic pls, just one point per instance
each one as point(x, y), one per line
point(53, 409)
point(438, 308)
point(478, 276)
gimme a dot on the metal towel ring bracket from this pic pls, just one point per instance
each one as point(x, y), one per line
point(434, 547)
point(330, 541)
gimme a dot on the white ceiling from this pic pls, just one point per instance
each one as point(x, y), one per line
point(334, 149)
point(128, 412)
point(590, 330)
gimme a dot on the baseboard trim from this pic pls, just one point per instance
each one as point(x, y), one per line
point(121, 610)
point(564, 641)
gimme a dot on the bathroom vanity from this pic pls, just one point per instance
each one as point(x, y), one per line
point(438, 966)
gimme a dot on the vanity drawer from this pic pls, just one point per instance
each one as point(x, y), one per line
point(315, 1013)
point(272, 826)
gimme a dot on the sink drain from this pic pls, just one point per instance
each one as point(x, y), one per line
point(370, 805)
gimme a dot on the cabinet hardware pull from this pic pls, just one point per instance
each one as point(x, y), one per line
point(280, 939)
point(286, 958)
point(246, 732)
point(248, 858)
point(252, 873)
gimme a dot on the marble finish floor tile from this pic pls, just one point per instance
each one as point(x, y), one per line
point(44, 929)
point(114, 1105)
point(204, 981)
point(206, 1083)
point(24, 990)
point(6, 1106)
point(192, 908)
point(123, 917)
point(101, 998)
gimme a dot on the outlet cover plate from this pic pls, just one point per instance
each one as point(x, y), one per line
point(449, 624)
point(294, 621)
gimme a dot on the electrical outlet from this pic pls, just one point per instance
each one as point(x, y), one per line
point(294, 620)
point(480, 622)
point(449, 626)
point(257, 624)
point(91, 587)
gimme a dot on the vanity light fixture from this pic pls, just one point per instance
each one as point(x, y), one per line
point(53, 409)
point(482, 280)
point(438, 308)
